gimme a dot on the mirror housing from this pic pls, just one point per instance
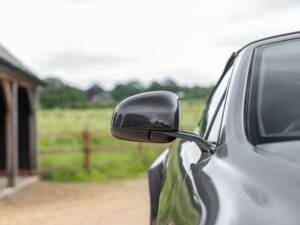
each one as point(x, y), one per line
point(152, 117)
point(135, 117)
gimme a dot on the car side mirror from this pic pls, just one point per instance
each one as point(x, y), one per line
point(151, 117)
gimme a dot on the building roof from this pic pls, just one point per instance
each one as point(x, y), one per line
point(94, 90)
point(9, 60)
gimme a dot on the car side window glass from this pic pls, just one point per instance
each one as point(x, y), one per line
point(213, 104)
point(278, 89)
point(213, 135)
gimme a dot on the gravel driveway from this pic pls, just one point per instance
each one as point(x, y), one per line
point(78, 204)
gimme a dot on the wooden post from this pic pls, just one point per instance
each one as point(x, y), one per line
point(140, 147)
point(33, 145)
point(87, 150)
point(12, 162)
point(141, 150)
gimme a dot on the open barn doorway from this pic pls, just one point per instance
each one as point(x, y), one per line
point(2, 131)
point(24, 130)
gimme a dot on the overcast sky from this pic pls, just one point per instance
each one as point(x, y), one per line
point(111, 41)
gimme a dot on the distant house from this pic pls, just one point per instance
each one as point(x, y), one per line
point(98, 95)
point(18, 104)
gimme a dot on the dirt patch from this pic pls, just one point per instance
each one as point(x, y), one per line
point(78, 204)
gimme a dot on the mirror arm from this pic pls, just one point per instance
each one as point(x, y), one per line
point(202, 144)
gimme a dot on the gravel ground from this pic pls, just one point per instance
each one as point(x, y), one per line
point(78, 204)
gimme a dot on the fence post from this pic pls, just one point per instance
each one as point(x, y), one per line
point(141, 150)
point(87, 150)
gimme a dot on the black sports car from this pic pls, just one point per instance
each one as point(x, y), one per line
point(241, 165)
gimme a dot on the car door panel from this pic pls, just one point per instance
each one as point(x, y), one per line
point(175, 192)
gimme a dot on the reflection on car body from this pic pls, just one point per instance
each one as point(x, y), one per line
point(242, 166)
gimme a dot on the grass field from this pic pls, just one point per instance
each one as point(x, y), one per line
point(60, 130)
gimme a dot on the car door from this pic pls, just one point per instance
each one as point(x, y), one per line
point(179, 201)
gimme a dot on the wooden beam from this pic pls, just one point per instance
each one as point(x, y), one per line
point(11, 123)
point(15, 133)
point(33, 145)
point(11, 179)
point(11, 77)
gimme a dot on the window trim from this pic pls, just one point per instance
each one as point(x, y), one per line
point(251, 120)
point(229, 64)
point(216, 113)
point(221, 106)
point(227, 67)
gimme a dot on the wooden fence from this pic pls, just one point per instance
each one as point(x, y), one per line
point(88, 149)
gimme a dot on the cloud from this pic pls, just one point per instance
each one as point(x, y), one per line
point(231, 42)
point(183, 76)
point(188, 76)
point(111, 41)
point(262, 8)
point(277, 4)
point(80, 1)
point(74, 59)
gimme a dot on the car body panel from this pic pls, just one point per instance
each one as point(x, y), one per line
point(173, 193)
point(240, 183)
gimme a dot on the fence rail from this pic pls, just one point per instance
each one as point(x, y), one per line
point(62, 134)
point(99, 149)
point(88, 149)
point(69, 134)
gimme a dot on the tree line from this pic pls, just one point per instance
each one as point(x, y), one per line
point(57, 94)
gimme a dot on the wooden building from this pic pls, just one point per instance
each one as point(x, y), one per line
point(18, 128)
point(98, 95)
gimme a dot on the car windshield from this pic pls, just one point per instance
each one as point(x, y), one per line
point(278, 89)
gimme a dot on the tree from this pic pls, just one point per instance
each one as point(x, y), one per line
point(57, 94)
point(122, 91)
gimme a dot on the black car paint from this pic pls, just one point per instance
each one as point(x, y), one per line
point(152, 117)
point(135, 117)
point(241, 183)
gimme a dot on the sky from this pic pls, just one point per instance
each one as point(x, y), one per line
point(107, 42)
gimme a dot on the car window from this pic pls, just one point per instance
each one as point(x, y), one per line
point(213, 104)
point(278, 89)
point(216, 125)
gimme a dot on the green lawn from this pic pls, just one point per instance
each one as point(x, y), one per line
point(61, 130)
point(105, 165)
